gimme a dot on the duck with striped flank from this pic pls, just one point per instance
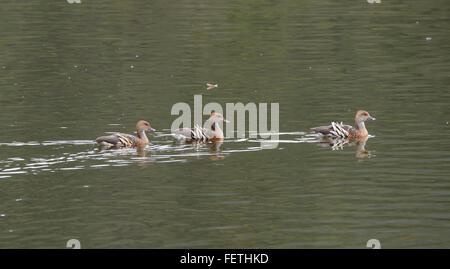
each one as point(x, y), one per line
point(202, 134)
point(347, 131)
point(126, 140)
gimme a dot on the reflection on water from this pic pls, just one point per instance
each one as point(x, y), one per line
point(162, 150)
point(337, 143)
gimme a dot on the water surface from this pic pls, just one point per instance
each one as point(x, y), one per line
point(72, 72)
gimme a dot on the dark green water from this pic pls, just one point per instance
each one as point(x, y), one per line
point(72, 72)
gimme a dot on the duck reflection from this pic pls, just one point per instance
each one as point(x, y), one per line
point(213, 148)
point(339, 144)
point(142, 152)
point(144, 156)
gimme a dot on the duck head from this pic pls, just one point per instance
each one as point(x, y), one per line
point(143, 126)
point(217, 118)
point(362, 116)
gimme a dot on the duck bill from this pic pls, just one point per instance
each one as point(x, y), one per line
point(152, 129)
point(371, 118)
point(226, 121)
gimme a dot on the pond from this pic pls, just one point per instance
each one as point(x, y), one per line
point(72, 72)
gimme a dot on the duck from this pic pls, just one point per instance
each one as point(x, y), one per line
point(347, 131)
point(202, 134)
point(127, 140)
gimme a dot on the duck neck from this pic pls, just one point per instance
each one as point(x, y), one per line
point(142, 136)
point(216, 128)
point(361, 127)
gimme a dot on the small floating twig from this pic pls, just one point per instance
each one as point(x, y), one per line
point(211, 86)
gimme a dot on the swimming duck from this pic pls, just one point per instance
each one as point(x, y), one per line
point(127, 140)
point(202, 134)
point(347, 131)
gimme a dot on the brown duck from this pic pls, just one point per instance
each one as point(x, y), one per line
point(202, 134)
point(347, 131)
point(127, 140)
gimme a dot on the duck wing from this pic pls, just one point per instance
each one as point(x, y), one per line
point(183, 133)
point(323, 129)
point(118, 139)
point(197, 133)
point(335, 129)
